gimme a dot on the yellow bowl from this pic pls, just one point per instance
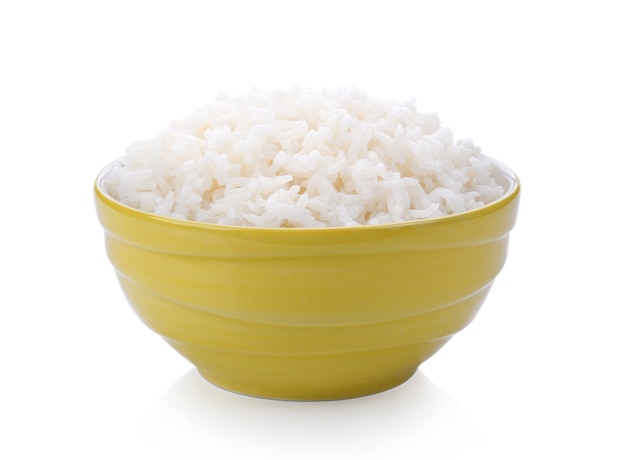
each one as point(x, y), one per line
point(308, 314)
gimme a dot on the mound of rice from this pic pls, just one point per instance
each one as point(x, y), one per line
point(304, 158)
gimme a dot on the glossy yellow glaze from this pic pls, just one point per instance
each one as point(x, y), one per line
point(308, 314)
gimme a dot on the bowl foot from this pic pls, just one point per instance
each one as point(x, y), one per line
point(309, 376)
point(313, 389)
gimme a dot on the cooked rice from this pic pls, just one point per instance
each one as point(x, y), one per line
point(304, 158)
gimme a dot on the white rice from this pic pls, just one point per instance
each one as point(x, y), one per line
point(304, 158)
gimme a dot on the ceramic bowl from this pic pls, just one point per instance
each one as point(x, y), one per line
point(308, 314)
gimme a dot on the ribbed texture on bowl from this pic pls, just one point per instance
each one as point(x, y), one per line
point(307, 313)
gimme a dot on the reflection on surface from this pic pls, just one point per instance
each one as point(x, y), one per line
point(195, 419)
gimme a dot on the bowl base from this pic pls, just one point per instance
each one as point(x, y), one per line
point(311, 392)
point(309, 376)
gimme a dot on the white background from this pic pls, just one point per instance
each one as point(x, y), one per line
point(538, 85)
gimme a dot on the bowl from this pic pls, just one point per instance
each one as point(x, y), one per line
point(308, 313)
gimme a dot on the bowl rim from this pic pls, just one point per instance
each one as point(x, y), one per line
point(513, 182)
